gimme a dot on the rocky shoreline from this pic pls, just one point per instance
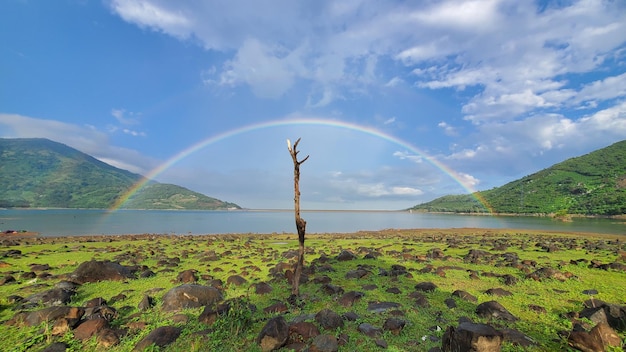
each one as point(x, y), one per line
point(412, 290)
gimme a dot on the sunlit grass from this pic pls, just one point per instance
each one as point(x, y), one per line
point(253, 257)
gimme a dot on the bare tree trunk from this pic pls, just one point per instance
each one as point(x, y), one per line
point(300, 223)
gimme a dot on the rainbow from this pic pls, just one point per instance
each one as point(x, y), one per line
point(290, 122)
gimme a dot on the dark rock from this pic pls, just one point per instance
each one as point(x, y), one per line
point(547, 273)
point(472, 337)
point(146, 303)
point(465, 296)
point(380, 307)
point(278, 307)
point(187, 276)
point(324, 343)
point(94, 271)
point(190, 296)
point(450, 303)
point(498, 292)
point(160, 337)
point(56, 347)
point(328, 319)
point(236, 280)
point(7, 280)
point(356, 274)
point(493, 309)
point(89, 328)
point(517, 338)
point(381, 343)
point(107, 338)
point(597, 315)
point(607, 335)
point(105, 312)
point(393, 290)
point(302, 331)
point(274, 334)
point(370, 330)
point(350, 316)
point(52, 297)
point(262, 288)
point(349, 298)
point(425, 286)
point(39, 267)
point(95, 302)
point(536, 308)
point(345, 255)
point(331, 289)
point(420, 299)
point(509, 279)
point(394, 325)
point(47, 315)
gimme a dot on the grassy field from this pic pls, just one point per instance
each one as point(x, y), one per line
point(253, 256)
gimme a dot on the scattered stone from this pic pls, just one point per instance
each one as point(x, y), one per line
point(498, 292)
point(493, 309)
point(302, 331)
point(56, 347)
point(278, 307)
point(236, 280)
point(160, 337)
point(450, 303)
point(52, 297)
point(187, 276)
point(472, 337)
point(190, 296)
point(464, 296)
point(394, 325)
point(146, 303)
point(331, 289)
point(425, 286)
point(380, 307)
point(274, 334)
point(328, 319)
point(89, 328)
point(94, 271)
point(349, 298)
point(324, 343)
point(345, 256)
point(370, 330)
point(262, 288)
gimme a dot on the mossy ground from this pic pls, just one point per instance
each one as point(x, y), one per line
point(252, 256)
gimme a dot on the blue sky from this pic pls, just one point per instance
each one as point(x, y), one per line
point(405, 101)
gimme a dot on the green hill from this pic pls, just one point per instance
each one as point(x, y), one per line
point(40, 173)
point(592, 184)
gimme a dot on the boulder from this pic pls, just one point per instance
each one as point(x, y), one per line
point(94, 271)
point(274, 334)
point(493, 309)
point(328, 319)
point(324, 343)
point(472, 337)
point(190, 296)
point(160, 337)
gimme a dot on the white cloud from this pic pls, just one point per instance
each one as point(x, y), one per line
point(512, 52)
point(447, 129)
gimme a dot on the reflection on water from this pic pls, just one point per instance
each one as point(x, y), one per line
point(64, 222)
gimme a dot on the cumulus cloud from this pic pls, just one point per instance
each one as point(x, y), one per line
point(515, 52)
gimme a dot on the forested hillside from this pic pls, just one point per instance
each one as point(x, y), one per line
point(40, 173)
point(592, 184)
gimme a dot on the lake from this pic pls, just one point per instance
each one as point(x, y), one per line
point(71, 222)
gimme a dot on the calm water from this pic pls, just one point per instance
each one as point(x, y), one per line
point(96, 222)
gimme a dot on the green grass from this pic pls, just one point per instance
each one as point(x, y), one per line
point(253, 257)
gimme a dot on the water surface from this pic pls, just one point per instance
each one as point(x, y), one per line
point(71, 222)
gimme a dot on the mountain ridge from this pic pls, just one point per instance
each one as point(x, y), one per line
point(590, 184)
point(41, 173)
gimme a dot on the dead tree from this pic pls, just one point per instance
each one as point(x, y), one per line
point(300, 223)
